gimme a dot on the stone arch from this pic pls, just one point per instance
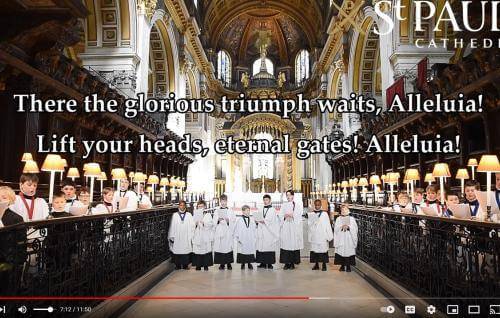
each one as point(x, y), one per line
point(110, 23)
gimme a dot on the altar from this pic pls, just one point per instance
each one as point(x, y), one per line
point(254, 199)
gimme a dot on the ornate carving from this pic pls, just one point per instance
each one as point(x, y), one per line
point(146, 7)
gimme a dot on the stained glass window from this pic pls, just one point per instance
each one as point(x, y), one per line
point(224, 67)
point(302, 67)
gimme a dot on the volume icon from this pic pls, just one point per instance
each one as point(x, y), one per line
point(22, 309)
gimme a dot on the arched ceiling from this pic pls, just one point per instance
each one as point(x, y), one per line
point(294, 24)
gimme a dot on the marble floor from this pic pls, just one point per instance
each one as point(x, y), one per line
point(326, 294)
point(339, 294)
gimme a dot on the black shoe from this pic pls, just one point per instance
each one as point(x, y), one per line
point(205, 268)
point(221, 267)
point(262, 265)
point(229, 267)
point(286, 267)
point(323, 268)
point(243, 266)
point(178, 267)
point(316, 267)
point(198, 268)
point(342, 268)
point(185, 266)
point(250, 266)
point(348, 269)
point(269, 266)
point(292, 266)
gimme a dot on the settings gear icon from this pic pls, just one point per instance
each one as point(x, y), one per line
point(431, 310)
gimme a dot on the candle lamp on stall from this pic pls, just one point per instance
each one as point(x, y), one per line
point(27, 156)
point(463, 175)
point(392, 178)
point(153, 180)
point(31, 166)
point(375, 182)
point(363, 183)
point(118, 174)
point(65, 165)
point(472, 163)
point(103, 177)
point(93, 171)
point(412, 175)
point(52, 164)
point(164, 183)
point(488, 164)
point(73, 173)
point(140, 178)
point(441, 171)
point(429, 178)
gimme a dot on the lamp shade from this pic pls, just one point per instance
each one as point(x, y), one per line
point(375, 180)
point(164, 182)
point(140, 177)
point(73, 173)
point(103, 176)
point(53, 163)
point(118, 174)
point(488, 163)
point(462, 174)
point(93, 170)
point(429, 177)
point(153, 179)
point(472, 162)
point(85, 165)
point(392, 177)
point(27, 156)
point(441, 170)
point(31, 167)
point(363, 182)
point(344, 184)
point(131, 174)
point(64, 162)
point(149, 189)
point(383, 177)
point(412, 175)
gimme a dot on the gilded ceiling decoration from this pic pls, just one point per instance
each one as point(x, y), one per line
point(233, 25)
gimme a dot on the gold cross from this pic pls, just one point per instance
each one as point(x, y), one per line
point(349, 17)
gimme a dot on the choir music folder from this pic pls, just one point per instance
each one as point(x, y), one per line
point(123, 203)
point(258, 215)
point(482, 198)
point(222, 213)
point(312, 216)
point(78, 210)
point(460, 211)
point(429, 211)
point(198, 215)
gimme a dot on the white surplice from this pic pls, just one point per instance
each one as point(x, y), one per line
point(40, 212)
point(345, 242)
point(132, 200)
point(74, 202)
point(143, 201)
point(291, 233)
point(245, 235)
point(204, 235)
point(224, 231)
point(320, 233)
point(181, 233)
point(269, 231)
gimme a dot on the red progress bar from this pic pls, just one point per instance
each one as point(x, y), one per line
point(158, 298)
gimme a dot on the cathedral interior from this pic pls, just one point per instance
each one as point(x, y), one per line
point(264, 49)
